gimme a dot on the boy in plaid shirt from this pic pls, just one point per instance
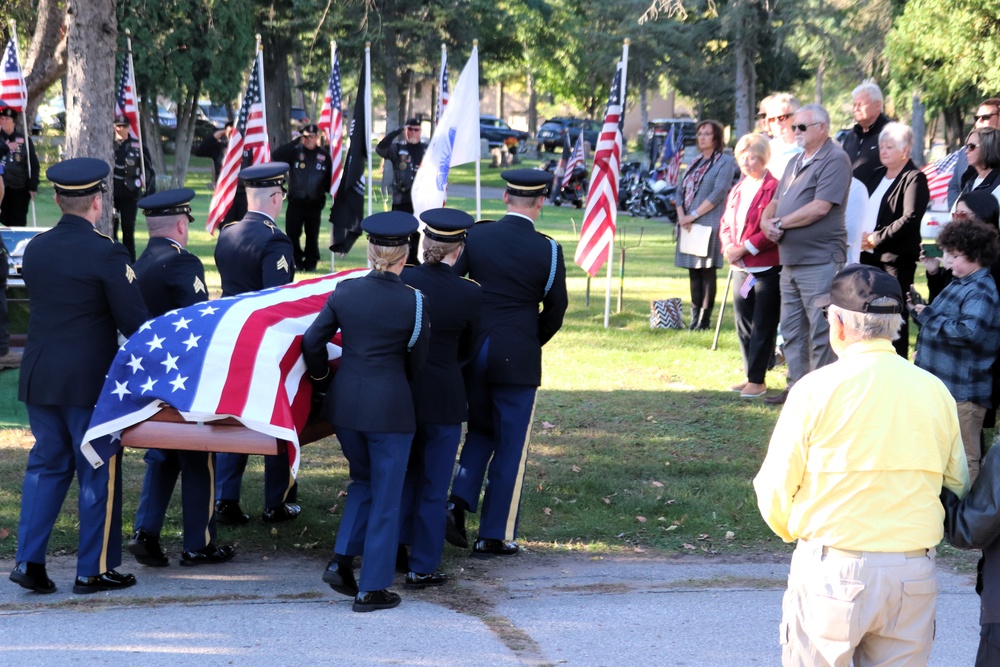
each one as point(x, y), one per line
point(960, 331)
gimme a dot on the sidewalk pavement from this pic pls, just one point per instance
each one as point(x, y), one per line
point(536, 609)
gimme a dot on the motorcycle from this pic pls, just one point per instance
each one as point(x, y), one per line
point(574, 190)
point(652, 197)
point(629, 183)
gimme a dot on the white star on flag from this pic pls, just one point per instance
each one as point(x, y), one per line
point(156, 343)
point(148, 386)
point(192, 341)
point(207, 310)
point(178, 382)
point(136, 364)
point(170, 362)
point(121, 389)
point(181, 324)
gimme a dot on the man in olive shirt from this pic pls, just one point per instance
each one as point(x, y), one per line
point(853, 472)
point(806, 219)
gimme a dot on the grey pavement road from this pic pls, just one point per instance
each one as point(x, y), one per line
point(536, 609)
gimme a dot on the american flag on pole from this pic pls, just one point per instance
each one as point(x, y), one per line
point(443, 91)
point(598, 229)
point(12, 89)
point(576, 159)
point(674, 168)
point(235, 357)
point(125, 102)
point(248, 143)
point(331, 121)
point(939, 173)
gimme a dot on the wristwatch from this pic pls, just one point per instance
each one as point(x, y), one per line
point(777, 223)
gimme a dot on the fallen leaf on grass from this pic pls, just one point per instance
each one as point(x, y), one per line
point(661, 518)
point(671, 501)
point(703, 537)
point(333, 510)
point(4, 533)
point(673, 527)
point(730, 535)
point(575, 468)
point(538, 488)
point(547, 511)
point(548, 425)
point(641, 519)
point(657, 484)
point(607, 501)
point(639, 550)
point(341, 494)
point(689, 547)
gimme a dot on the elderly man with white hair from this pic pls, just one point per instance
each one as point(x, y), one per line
point(861, 144)
point(806, 219)
point(780, 109)
point(853, 472)
point(897, 201)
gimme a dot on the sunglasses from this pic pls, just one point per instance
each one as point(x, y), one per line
point(985, 116)
point(971, 147)
point(802, 127)
point(781, 119)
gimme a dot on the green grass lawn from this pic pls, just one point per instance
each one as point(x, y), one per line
point(637, 444)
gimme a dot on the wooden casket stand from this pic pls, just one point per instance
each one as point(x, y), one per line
point(168, 430)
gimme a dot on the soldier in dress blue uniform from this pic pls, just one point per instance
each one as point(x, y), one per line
point(385, 339)
point(453, 304)
point(129, 185)
point(83, 293)
point(20, 174)
point(253, 254)
point(170, 277)
point(518, 268)
point(309, 181)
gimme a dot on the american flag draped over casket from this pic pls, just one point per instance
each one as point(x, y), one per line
point(238, 357)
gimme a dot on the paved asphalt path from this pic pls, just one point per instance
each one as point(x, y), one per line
point(535, 609)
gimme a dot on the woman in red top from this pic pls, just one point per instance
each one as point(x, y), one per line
point(754, 260)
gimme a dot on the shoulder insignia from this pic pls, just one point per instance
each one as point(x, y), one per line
point(481, 222)
point(129, 273)
point(470, 280)
point(199, 286)
point(229, 223)
point(100, 233)
point(548, 237)
point(283, 264)
point(177, 248)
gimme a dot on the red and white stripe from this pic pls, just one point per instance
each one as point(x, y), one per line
point(939, 174)
point(125, 104)
point(576, 159)
point(12, 89)
point(331, 121)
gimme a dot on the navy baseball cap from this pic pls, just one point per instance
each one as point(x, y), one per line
point(78, 176)
point(448, 225)
point(855, 287)
point(168, 202)
point(391, 228)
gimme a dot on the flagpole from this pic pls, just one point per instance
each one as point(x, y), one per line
point(611, 242)
point(479, 194)
point(24, 113)
point(259, 60)
point(368, 119)
point(329, 141)
point(444, 63)
point(138, 118)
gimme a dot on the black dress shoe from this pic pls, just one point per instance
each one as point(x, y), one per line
point(455, 530)
point(283, 512)
point(33, 577)
point(485, 548)
point(109, 581)
point(145, 546)
point(230, 513)
point(383, 599)
point(414, 580)
point(209, 555)
point(341, 578)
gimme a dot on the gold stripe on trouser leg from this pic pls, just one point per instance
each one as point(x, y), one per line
point(291, 477)
point(112, 477)
point(211, 498)
point(515, 499)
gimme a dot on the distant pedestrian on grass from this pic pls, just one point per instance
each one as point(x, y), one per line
point(853, 472)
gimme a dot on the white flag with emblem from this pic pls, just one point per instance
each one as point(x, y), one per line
point(455, 140)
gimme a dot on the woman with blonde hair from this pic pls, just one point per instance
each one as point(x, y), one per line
point(385, 336)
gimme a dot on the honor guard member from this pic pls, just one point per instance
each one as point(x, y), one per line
point(129, 184)
point(253, 254)
point(518, 268)
point(405, 158)
point(20, 170)
point(83, 293)
point(170, 277)
point(309, 181)
point(453, 304)
point(385, 338)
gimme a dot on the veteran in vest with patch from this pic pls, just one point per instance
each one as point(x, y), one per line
point(83, 293)
point(253, 254)
point(309, 181)
point(20, 169)
point(170, 277)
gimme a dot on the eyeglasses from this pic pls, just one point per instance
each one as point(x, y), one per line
point(781, 119)
point(802, 127)
point(985, 116)
point(971, 147)
point(761, 116)
point(283, 194)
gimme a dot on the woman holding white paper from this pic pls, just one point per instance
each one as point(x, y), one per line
point(703, 189)
point(754, 260)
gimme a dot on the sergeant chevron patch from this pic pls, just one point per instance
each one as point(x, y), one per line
point(199, 286)
point(129, 273)
point(283, 264)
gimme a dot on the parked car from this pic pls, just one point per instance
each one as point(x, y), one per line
point(550, 134)
point(299, 117)
point(497, 131)
point(215, 114)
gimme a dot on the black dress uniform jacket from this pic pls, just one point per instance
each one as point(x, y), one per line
point(512, 263)
point(16, 163)
point(128, 171)
point(453, 304)
point(169, 276)
point(83, 292)
point(309, 170)
point(371, 389)
point(252, 254)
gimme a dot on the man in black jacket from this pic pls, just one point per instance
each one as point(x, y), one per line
point(405, 158)
point(861, 143)
point(309, 181)
point(130, 182)
point(20, 170)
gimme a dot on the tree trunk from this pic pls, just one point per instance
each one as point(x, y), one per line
point(151, 139)
point(919, 126)
point(186, 115)
point(90, 77)
point(298, 95)
point(820, 71)
point(499, 99)
point(746, 81)
point(532, 105)
point(45, 61)
point(392, 83)
point(954, 126)
point(277, 90)
point(405, 77)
